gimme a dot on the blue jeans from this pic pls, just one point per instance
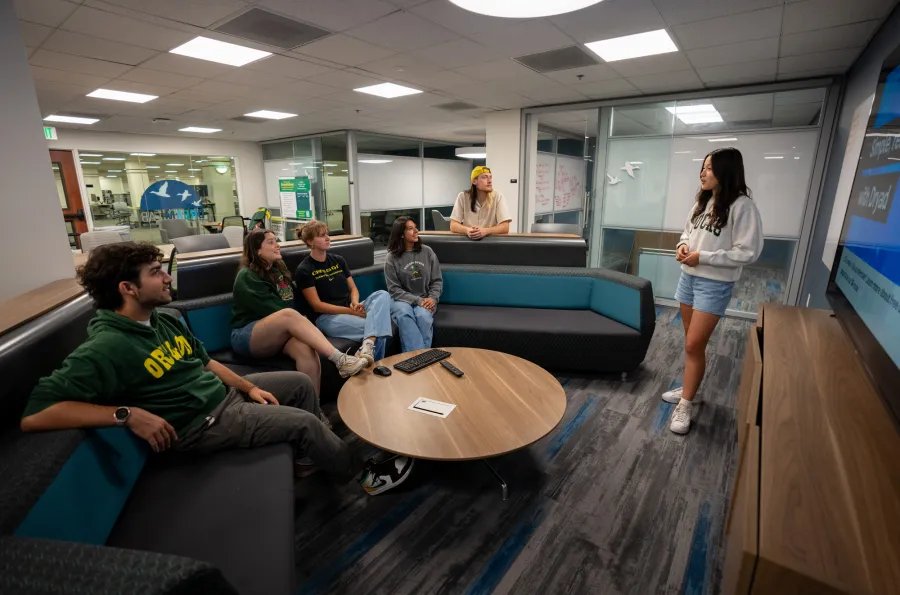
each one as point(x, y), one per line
point(377, 323)
point(415, 324)
point(704, 295)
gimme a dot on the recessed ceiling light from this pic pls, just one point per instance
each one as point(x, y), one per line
point(471, 152)
point(330, 164)
point(774, 157)
point(330, 173)
point(171, 171)
point(891, 158)
point(722, 139)
point(697, 159)
point(121, 96)
point(345, 171)
point(143, 154)
point(199, 129)
point(222, 52)
point(114, 171)
point(112, 176)
point(90, 155)
point(375, 160)
point(194, 169)
point(523, 9)
point(157, 176)
point(269, 114)
point(633, 46)
point(696, 114)
point(90, 163)
point(71, 119)
point(113, 159)
point(200, 161)
point(174, 164)
point(152, 167)
point(388, 90)
point(221, 168)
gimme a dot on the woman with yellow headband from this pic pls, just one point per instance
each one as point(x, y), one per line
point(479, 211)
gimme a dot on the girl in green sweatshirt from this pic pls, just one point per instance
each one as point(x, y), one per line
point(263, 320)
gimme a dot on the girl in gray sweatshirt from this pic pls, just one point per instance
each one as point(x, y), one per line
point(413, 277)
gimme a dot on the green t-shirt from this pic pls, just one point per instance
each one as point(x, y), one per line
point(256, 297)
point(157, 367)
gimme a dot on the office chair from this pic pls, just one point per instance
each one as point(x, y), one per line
point(571, 228)
point(234, 235)
point(122, 213)
point(441, 223)
point(234, 221)
point(93, 239)
point(169, 229)
point(199, 243)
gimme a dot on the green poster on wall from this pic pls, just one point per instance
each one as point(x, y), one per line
point(295, 197)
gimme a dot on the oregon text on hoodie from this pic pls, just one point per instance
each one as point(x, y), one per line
point(159, 368)
point(724, 251)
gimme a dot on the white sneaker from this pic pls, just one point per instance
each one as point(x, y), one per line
point(672, 396)
point(681, 418)
point(367, 352)
point(350, 365)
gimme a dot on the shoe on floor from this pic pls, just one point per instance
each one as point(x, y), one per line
point(672, 396)
point(381, 477)
point(367, 352)
point(681, 418)
point(350, 365)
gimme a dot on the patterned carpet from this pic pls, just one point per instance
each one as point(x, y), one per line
point(611, 502)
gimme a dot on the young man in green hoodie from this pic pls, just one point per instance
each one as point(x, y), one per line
point(144, 370)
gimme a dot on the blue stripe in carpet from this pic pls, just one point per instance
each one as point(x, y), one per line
point(663, 411)
point(563, 380)
point(584, 412)
point(695, 573)
point(676, 320)
point(498, 564)
point(320, 581)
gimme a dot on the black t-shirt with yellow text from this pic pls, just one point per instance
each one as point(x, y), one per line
point(328, 277)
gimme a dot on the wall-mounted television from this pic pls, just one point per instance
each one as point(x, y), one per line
point(864, 288)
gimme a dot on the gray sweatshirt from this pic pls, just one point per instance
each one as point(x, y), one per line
point(413, 276)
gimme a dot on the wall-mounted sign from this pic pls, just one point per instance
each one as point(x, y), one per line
point(50, 133)
point(295, 197)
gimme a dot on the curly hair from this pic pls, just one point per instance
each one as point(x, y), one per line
point(251, 259)
point(311, 230)
point(111, 264)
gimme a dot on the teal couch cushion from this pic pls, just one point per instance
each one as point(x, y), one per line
point(616, 301)
point(212, 325)
point(517, 290)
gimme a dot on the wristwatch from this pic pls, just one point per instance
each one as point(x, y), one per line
point(121, 416)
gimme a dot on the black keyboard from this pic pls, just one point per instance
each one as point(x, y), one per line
point(423, 360)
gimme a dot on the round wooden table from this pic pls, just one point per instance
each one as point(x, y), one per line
point(503, 403)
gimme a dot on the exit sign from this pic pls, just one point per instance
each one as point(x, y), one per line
point(50, 133)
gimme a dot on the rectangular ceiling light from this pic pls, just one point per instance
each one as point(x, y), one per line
point(71, 119)
point(152, 167)
point(143, 154)
point(114, 171)
point(696, 114)
point(121, 96)
point(388, 90)
point(722, 139)
point(194, 169)
point(171, 171)
point(633, 46)
point(112, 176)
point(90, 163)
point(222, 52)
point(199, 129)
point(174, 164)
point(90, 155)
point(375, 160)
point(270, 115)
point(113, 159)
point(774, 157)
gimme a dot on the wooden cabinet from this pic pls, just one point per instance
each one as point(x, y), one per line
point(816, 503)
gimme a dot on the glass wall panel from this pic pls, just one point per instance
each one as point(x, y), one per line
point(637, 175)
point(647, 119)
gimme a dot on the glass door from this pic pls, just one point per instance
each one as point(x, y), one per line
point(69, 195)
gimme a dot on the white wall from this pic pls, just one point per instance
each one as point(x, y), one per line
point(251, 185)
point(503, 135)
point(220, 192)
point(29, 201)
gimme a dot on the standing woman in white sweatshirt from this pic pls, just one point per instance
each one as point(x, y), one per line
point(723, 234)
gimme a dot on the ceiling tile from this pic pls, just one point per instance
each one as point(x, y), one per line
point(189, 66)
point(456, 19)
point(348, 79)
point(201, 13)
point(254, 78)
point(818, 14)
point(44, 12)
point(589, 74)
point(835, 61)
point(758, 24)
point(685, 80)
point(149, 76)
point(456, 53)
point(671, 62)
point(823, 40)
point(334, 15)
point(606, 89)
point(612, 18)
point(222, 88)
point(101, 49)
point(558, 94)
point(443, 80)
point(403, 32)
point(485, 96)
point(308, 89)
point(526, 38)
point(344, 49)
point(287, 66)
point(747, 51)
point(66, 76)
point(106, 25)
point(33, 34)
point(494, 70)
point(72, 63)
point(762, 70)
point(677, 12)
point(399, 66)
point(806, 74)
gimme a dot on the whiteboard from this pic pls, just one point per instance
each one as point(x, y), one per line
point(444, 179)
point(778, 167)
point(566, 182)
point(396, 184)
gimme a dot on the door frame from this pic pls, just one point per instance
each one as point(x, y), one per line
point(68, 171)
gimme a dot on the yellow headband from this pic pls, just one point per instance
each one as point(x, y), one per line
point(481, 169)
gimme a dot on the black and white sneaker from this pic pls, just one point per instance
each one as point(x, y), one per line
point(381, 477)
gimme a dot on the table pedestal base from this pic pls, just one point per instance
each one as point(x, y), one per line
point(500, 479)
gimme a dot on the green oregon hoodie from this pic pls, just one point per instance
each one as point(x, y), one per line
point(256, 297)
point(158, 368)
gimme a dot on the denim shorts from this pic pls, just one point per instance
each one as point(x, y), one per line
point(240, 339)
point(705, 295)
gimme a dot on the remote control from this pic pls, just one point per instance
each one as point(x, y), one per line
point(452, 369)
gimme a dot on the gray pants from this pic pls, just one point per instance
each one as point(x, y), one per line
point(239, 423)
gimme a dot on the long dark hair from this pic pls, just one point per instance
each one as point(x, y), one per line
point(251, 259)
point(396, 243)
point(728, 168)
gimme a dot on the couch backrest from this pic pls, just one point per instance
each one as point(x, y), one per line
point(508, 250)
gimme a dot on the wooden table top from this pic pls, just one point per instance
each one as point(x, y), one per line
point(503, 403)
point(81, 258)
point(25, 307)
point(220, 251)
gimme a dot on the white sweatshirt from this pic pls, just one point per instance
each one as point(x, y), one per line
point(724, 251)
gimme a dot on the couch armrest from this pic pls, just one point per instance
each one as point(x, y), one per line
point(37, 566)
point(164, 235)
